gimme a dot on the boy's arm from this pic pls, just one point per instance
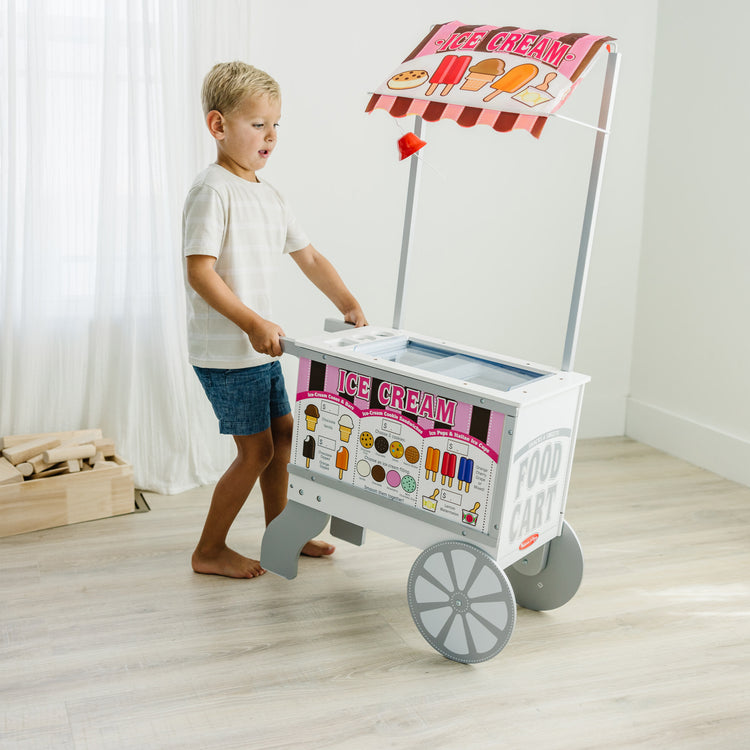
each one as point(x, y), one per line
point(263, 334)
point(319, 270)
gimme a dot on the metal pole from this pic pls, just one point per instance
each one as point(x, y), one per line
point(592, 204)
point(415, 169)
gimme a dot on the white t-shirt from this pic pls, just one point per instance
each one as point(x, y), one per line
point(247, 227)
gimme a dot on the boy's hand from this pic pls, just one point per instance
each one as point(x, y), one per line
point(356, 317)
point(264, 336)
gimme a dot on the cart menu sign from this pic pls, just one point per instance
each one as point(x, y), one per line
point(503, 76)
point(408, 444)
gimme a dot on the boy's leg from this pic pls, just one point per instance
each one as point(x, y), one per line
point(274, 481)
point(254, 454)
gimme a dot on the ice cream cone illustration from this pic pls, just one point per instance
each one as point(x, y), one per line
point(482, 73)
point(346, 424)
point(312, 414)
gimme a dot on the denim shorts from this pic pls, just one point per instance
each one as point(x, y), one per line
point(245, 400)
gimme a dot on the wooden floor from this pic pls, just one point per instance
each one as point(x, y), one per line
point(108, 640)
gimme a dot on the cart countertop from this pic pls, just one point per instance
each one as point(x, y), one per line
point(473, 371)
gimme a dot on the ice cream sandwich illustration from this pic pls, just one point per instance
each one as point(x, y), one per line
point(482, 73)
point(308, 450)
point(312, 414)
point(346, 425)
point(409, 79)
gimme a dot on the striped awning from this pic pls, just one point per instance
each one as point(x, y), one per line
point(503, 76)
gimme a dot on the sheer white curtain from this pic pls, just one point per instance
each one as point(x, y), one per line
point(100, 136)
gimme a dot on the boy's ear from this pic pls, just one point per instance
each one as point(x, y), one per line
point(215, 122)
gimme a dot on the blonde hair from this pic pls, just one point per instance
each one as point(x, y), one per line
point(227, 84)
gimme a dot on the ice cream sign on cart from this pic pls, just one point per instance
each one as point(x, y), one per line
point(506, 77)
point(411, 445)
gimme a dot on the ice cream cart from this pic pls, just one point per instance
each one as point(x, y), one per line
point(461, 452)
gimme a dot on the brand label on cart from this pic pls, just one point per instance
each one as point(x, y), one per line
point(415, 447)
point(539, 474)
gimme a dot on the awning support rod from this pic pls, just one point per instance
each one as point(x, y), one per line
point(415, 169)
point(592, 205)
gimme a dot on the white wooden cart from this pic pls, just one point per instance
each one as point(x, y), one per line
point(460, 452)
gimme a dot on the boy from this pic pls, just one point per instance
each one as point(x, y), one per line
point(234, 229)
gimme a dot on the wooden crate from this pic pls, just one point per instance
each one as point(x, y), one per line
point(68, 498)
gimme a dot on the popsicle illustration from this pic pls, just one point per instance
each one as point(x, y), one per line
point(448, 469)
point(465, 472)
point(432, 463)
point(482, 73)
point(346, 424)
point(450, 72)
point(534, 95)
point(308, 450)
point(312, 414)
point(342, 461)
point(513, 80)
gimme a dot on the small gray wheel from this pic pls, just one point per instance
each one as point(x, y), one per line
point(461, 602)
point(557, 582)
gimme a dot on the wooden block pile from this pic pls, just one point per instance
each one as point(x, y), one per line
point(51, 455)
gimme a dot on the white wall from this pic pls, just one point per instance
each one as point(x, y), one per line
point(499, 214)
point(691, 354)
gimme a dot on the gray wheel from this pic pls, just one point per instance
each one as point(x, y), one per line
point(557, 582)
point(461, 602)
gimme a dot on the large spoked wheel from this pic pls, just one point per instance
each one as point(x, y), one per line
point(557, 582)
point(461, 601)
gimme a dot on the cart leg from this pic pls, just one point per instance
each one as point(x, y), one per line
point(286, 535)
point(549, 577)
point(347, 531)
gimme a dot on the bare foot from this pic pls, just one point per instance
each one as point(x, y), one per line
point(228, 563)
point(317, 548)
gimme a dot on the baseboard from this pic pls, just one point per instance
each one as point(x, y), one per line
point(719, 452)
point(602, 416)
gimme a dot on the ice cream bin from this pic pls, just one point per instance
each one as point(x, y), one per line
point(457, 451)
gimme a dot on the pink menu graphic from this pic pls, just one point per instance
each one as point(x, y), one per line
point(408, 444)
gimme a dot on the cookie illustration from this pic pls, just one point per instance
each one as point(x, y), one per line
point(397, 449)
point(409, 79)
point(366, 439)
point(411, 454)
point(381, 444)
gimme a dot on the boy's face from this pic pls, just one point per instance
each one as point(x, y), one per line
point(246, 137)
